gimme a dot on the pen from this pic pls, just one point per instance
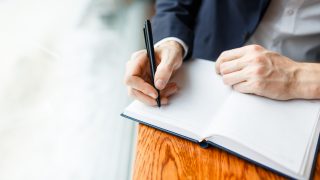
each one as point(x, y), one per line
point(147, 31)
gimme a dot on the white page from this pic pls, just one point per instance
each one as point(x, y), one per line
point(279, 130)
point(310, 156)
point(200, 97)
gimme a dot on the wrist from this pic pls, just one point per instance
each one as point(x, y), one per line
point(306, 84)
point(173, 44)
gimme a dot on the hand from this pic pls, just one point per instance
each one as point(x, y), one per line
point(253, 69)
point(138, 78)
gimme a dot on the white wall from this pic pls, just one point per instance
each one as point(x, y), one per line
point(61, 91)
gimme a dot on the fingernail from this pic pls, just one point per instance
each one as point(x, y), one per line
point(160, 84)
point(153, 95)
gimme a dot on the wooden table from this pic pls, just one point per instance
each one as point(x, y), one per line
point(160, 155)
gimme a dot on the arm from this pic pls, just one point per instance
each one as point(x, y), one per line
point(307, 81)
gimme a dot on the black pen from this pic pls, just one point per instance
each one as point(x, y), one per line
point(147, 32)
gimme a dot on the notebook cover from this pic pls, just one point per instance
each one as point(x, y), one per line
point(230, 151)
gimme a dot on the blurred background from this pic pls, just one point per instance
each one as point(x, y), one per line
point(61, 68)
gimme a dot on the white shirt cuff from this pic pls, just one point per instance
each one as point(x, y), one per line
point(184, 46)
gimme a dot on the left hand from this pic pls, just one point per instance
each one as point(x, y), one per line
point(253, 69)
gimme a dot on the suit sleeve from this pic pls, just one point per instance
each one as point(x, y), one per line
point(175, 18)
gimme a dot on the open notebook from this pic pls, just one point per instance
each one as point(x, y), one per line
point(278, 135)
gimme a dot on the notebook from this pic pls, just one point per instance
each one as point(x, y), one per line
point(279, 135)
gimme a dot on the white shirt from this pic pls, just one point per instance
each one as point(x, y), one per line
point(289, 27)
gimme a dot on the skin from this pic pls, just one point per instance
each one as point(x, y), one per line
point(169, 56)
point(255, 70)
point(250, 69)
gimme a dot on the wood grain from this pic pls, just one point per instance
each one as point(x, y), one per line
point(160, 155)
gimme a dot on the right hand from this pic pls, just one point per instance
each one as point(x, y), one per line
point(137, 78)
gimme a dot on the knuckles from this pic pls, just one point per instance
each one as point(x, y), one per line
point(224, 53)
point(256, 48)
point(223, 71)
point(259, 71)
point(259, 64)
point(258, 59)
point(223, 68)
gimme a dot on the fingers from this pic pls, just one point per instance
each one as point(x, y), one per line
point(229, 56)
point(134, 74)
point(243, 87)
point(137, 63)
point(234, 78)
point(137, 78)
point(171, 89)
point(162, 76)
point(237, 53)
point(146, 99)
point(171, 60)
point(232, 66)
point(139, 84)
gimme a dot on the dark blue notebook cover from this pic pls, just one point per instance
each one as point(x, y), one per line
point(207, 144)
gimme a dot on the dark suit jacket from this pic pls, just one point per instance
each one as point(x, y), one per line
point(208, 27)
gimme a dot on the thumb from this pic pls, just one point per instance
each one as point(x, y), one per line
point(163, 74)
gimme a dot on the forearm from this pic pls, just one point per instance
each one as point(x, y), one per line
point(307, 81)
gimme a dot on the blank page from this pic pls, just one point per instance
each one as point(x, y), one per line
point(201, 94)
point(279, 130)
